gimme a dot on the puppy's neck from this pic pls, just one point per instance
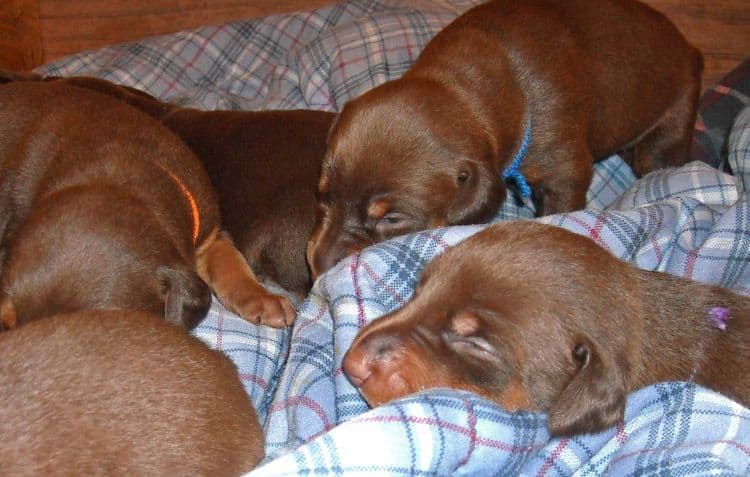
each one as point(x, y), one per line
point(493, 96)
point(681, 339)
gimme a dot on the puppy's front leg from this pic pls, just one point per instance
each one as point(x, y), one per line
point(226, 272)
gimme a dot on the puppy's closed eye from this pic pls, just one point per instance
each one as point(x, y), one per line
point(474, 345)
point(387, 221)
point(392, 223)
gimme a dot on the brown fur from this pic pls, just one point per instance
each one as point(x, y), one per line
point(121, 393)
point(430, 148)
point(536, 317)
point(264, 166)
point(96, 206)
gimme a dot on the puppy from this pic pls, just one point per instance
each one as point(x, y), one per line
point(530, 93)
point(121, 393)
point(536, 317)
point(101, 206)
point(264, 166)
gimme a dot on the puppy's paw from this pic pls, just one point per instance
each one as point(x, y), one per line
point(229, 276)
point(265, 308)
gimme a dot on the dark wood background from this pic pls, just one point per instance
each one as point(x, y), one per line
point(33, 32)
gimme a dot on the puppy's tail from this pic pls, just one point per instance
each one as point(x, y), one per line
point(187, 297)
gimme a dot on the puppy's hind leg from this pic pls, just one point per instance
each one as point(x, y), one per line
point(225, 270)
point(668, 143)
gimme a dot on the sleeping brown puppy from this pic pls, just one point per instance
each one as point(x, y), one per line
point(525, 92)
point(536, 317)
point(264, 166)
point(101, 206)
point(121, 393)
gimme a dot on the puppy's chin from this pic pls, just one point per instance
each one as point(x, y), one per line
point(322, 254)
point(514, 397)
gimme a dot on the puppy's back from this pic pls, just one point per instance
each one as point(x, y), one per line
point(120, 393)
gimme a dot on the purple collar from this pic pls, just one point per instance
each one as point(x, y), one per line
point(718, 317)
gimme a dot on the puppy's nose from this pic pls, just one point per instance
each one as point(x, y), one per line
point(356, 368)
point(366, 355)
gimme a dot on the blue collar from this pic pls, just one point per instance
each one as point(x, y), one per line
point(513, 171)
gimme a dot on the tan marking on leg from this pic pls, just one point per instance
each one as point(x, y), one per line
point(8, 316)
point(226, 272)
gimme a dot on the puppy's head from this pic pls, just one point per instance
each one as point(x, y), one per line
point(401, 158)
point(530, 316)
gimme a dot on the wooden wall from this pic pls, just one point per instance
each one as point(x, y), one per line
point(75, 25)
point(20, 35)
point(36, 31)
point(720, 28)
point(33, 32)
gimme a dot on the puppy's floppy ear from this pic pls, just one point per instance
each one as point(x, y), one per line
point(594, 399)
point(478, 195)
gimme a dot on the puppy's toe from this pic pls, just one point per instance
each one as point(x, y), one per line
point(290, 313)
point(267, 309)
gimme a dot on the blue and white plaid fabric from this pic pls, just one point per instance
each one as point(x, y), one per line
point(692, 222)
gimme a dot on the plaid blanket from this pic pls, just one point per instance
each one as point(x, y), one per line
point(692, 222)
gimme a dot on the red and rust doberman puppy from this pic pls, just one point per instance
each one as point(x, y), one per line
point(102, 206)
point(530, 93)
point(121, 393)
point(535, 317)
point(264, 166)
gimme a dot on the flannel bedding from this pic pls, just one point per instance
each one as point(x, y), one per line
point(693, 221)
